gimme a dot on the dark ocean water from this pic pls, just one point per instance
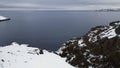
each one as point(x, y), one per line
point(49, 29)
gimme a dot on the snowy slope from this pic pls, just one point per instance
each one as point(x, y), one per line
point(22, 56)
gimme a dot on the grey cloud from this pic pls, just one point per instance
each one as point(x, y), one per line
point(60, 4)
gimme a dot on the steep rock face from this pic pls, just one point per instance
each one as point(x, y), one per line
point(99, 48)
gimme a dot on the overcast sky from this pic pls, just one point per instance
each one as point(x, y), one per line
point(58, 4)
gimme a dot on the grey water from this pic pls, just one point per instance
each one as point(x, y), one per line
point(49, 29)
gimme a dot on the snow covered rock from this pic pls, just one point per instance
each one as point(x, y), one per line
point(22, 56)
point(99, 48)
point(2, 18)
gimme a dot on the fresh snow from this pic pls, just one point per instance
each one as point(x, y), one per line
point(109, 33)
point(22, 56)
point(2, 18)
point(60, 50)
point(81, 43)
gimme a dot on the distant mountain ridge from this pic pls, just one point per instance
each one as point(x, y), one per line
point(108, 10)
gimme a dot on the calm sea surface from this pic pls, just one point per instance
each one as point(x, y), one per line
point(49, 29)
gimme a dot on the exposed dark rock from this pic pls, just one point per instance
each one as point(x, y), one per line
point(117, 30)
point(2, 60)
point(102, 53)
point(41, 51)
point(113, 23)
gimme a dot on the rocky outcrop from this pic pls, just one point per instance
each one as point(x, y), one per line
point(99, 48)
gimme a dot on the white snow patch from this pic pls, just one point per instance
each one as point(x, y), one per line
point(2, 18)
point(109, 33)
point(21, 56)
point(81, 43)
point(72, 58)
point(60, 50)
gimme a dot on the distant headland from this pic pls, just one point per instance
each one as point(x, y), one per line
point(2, 18)
point(108, 10)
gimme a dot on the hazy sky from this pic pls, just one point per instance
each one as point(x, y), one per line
point(58, 4)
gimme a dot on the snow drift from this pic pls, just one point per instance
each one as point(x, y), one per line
point(22, 56)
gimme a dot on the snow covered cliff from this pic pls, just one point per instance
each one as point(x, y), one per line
point(99, 48)
point(22, 56)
